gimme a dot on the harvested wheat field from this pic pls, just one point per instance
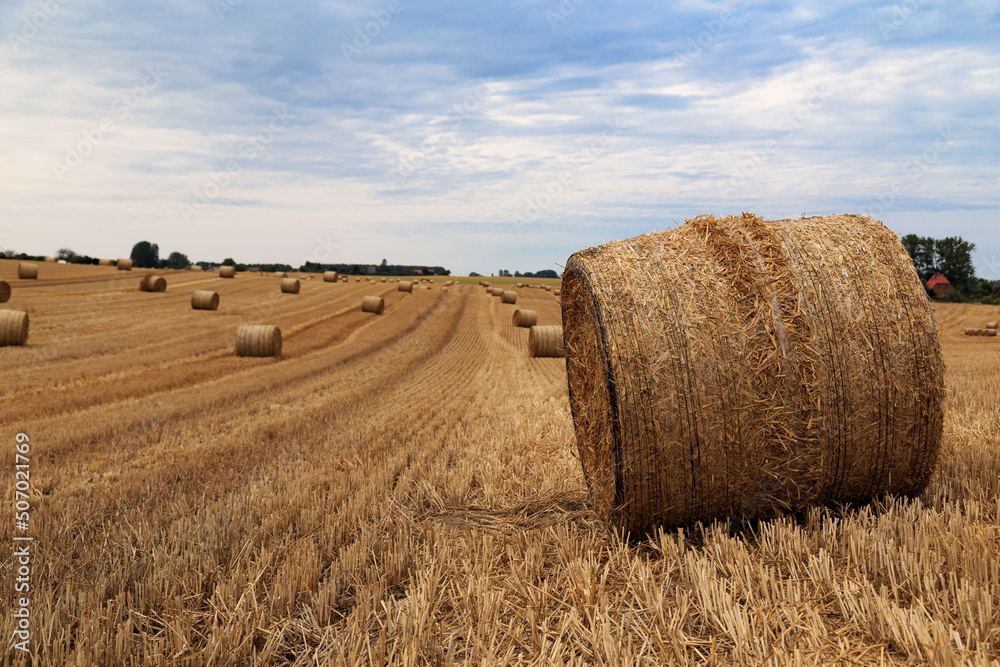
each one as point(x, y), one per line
point(406, 489)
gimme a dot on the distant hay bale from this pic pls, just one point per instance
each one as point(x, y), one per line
point(258, 340)
point(404, 286)
point(227, 271)
point(557, 292)
point(124, 264)
point(373, 304)
point(525, 318)
point(546, 341)
point(27, 271)
point(4, 291)
point(204, 299)
point(194, 267)
point(991, 325)
point(13, 327)
point(283, 274)
point(715, 372)
point(290, 285)
point(496, 291)
point(508, 296)
point(105, 262)
point(547, 288)
point(53, 260)
point(970, 331)
point(357, 280)
point(152, 283)
point(990, 332)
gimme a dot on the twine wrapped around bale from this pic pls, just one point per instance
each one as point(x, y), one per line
point(373, 304)
point(152, 283)
point(227, 271)
point(258, 340)
point(124, 264)
point(508, 296)
point(404, 286)
point(290, 285)
point(546, 341)
point(204, 299)
point(525, 318)
point(27, 271)
point(4, 291)
point(330, 277)
point(105, 262)
point(13, 327)
point(737, 368)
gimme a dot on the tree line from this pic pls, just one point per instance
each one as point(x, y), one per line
point(952, 258)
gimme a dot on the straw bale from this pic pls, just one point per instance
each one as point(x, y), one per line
point(404, 286)
point(508, 296)
point(716, 370)
point(373, 304)
point(124, 264)
point(13, 327)
point(970, 331)
point(991, 325)
point(557, 292)
point(204, 299)
point(546, 341)
point(53, 260)
point(227, 271)
point(990, 332)
point(330, 277)
point(290, 285)
point(258, 340)
point(105, 262)
point(27, 271)
point(525, 318)
point(4, 291)
point(153, 283)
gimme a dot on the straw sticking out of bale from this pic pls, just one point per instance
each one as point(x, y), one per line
point(290, 285)
point(13, 327)
point(227, 271)
point(679, 419)
point(330, 277)
point(404, 286)
point(508, 296)
point(546, 341)
point(204, 299)
point(153, 283)
point(27, 271)
point(4, 291)
point(259, 340)
point(105, 262)
point(373, 304)
point(124, 264)
point(525, 318)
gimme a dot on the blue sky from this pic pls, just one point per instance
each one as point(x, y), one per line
point(486, 136)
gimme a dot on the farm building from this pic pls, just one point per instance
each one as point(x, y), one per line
point(939, 285)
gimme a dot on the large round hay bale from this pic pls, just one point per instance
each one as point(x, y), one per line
point(715, 369)
point(546, 341)
point(373, 304)
point(124, 264)
point(508, 296)
point(258, 340)
point(525, 318)
point(4, 291)
point(153, 283)
point(13, 327)
point(404, 286)
point(27, 271)
point(227, 271)
point(105, 262)
point(204, 299)
point(290, 285)
point(53, 260)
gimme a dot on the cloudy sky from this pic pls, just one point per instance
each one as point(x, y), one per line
point(482, 136)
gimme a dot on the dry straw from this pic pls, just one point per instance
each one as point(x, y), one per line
point(124, 264)
point(227, 271)
point(546, 341)
point(373, 304)
point(525, 318)
point(52, 259)
point(152, 283)
point(404, 286)
point(105, 262)
point(508, 296)
point(258, 340)
point(4, 291)
point(715, 371)
point(204, 299)
point(290, 285)
point(13, 327)
point(27, 271)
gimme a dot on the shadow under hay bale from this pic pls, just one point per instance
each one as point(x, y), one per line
point(715, 370)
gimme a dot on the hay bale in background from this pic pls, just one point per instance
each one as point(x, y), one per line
point(152, 283)
point(330, 277)
point(508, 296)
point(969, 331)
point(258, 340)
point(13, 327)
point(27, 271)
point(4, 291)
point(557, 292)
point(404, 286)
point(290, 285)
point(53, 260)
point(105, 262)
point(204, 299)
point(525, 318)
point(991, 325)
point(227, 271)
point(714, 373)
point(546, 341)
point(496, 291)
point(990, 332)
point(124, 264)
point(373, 304)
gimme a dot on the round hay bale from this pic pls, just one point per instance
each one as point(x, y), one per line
point(357, 280)
point(258, 340)
point(105, 262)
point(204, 299)
point(557, 292)
point(373, 304)
point(496, 291)
point(152, 283)
point(4, 291)
point(989, 332)
point(991, 325)
point(53, 260)
point(404, 286)
point(969, 331)
point(13, 327)
point(27, 271)
point(546, 341)
point(508, 296)
point(124, 264)
point(290, 285)
point(227, 271)
point(714, 370)
point(382, 280)
point(525, 318)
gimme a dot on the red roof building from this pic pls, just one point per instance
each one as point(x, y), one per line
point(939, 285)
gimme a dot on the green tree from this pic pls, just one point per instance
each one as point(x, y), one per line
point(66, 255)
point(145, 255)
point(953, 258)
point(228, 261)
point(177, 260)
point(921, 249)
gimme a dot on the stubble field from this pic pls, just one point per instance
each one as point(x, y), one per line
point(404, 489)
